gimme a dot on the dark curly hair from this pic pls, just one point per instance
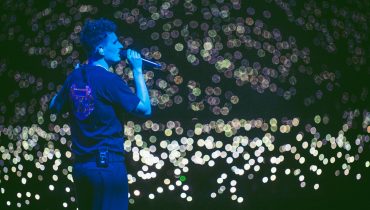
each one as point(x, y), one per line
point(94, 31)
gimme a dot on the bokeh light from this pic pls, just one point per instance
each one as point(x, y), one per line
point(255, 92)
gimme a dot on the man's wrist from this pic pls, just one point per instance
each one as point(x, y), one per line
point(138, 70)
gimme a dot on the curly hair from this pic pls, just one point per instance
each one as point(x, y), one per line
point(94, 32)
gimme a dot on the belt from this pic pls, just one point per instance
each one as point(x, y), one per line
point(112, 157)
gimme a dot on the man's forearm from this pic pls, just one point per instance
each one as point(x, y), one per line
point(141, 89)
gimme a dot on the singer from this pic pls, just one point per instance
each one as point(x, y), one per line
point(95, 98)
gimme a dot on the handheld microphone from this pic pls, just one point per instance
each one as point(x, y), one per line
point(123, 55)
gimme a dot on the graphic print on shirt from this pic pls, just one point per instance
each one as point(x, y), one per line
point(82, 101)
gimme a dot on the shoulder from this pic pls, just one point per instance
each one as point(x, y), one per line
point(105, 80)
point(100, 73)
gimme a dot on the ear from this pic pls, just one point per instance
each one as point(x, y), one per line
point(100, 51)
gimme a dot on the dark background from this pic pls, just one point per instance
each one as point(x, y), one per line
point(351, 80)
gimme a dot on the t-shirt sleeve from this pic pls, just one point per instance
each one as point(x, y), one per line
point(58, 104)
point(120, 94)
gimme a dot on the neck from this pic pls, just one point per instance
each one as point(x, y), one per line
point(100, 62)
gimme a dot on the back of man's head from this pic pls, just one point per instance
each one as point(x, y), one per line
point(94, 32)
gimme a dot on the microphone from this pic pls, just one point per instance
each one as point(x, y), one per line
point(123, 55)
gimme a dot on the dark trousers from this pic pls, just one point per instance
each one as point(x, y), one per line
point(101, 188)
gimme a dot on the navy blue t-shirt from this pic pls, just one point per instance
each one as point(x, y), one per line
point(95, 99)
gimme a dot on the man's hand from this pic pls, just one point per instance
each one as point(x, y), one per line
point(143, 108)
point(135, 60)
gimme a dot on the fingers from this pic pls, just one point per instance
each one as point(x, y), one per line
point(77, 66)
point(133, 54)
point(137, 55)
point(134, 59)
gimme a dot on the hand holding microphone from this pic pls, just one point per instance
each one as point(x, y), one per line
point(133, 57)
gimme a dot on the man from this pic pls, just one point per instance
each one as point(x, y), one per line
point(95, 97)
